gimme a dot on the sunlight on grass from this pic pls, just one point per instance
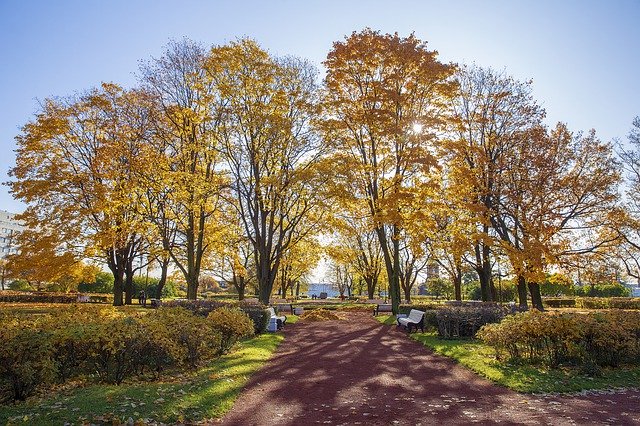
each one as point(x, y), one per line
point(386, 319)
point(206, 394)
point(480, 358)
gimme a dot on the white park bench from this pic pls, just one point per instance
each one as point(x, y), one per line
point(276, 322)
point(414, 320)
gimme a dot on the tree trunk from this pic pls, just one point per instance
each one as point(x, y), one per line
point(118, 287)
point(115, 262)
point(371, 287)
point(536, 297)
point(240, 285)
point(164, 267)
point(192, 287)
point(407, 292)
point(128, 285)
point(522, 293)
point(457, 287)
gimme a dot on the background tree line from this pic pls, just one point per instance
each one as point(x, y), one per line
point(232, 161)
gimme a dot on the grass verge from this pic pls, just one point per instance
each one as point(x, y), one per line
point(480, 358)
point(205, 394)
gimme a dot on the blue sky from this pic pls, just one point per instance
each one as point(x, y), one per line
point(582, 55)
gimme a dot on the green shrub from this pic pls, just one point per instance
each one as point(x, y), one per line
point(430, 306)
point(258, 314)
point(114, 349)
point(25, 359)
point(559, 302)
point(232, 324)
point(603, 290)
point(102, 284)
point(465, 321)
point(20, 285)
point(190, 337)
point(602, 338)
point(37, 297)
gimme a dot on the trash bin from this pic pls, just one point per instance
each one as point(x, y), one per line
point(273, 325)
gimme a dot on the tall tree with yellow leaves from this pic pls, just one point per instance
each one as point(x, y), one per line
point(271, 152)
point(491, 111)
point(73, 171)
point(559, 192)
point(385, 100)
point(183, 172)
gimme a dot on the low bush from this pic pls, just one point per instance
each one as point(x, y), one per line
point(465, 321)
point(102, 342)
point(258, 314)
point(431, 319)
point(593, 302)
point(25, 359)
point(598, 338)
point(201, 307)
point(423, 306)
point(189, 338)
point(559, 302)
point(232, 324)
point(36, 297)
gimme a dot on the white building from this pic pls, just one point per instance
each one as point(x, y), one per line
point(9, 227)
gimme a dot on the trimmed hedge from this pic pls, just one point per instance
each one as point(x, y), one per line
point(591, 341)
point(423, 306)
point(37, 297)
point(82, 340)
point(593, 302)
point(258, 313)
point(465, 321)
point(10, 296)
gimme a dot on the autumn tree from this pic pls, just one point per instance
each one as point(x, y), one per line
point(385, 98)
point(491, 110)
point(41, 262)
point(629, 223)
point(271, 152)
point(234, 262)
point(413, 261)
point(559, 189)
point(297, 264)
point(73, 170)
point(356, 244)
point(183, 169)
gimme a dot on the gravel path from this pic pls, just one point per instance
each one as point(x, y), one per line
point(358, 372)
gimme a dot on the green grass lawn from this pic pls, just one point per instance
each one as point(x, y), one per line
point(205, 394)
point(481, 359)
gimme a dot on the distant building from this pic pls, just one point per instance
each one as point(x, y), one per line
point(9, 227)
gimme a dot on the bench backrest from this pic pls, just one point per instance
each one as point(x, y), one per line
point(416, 315)
point(384, 308)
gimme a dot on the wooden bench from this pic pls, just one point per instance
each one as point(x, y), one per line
point(284, 307)
point(280, 320)
point(414, 320)
point(382, 307)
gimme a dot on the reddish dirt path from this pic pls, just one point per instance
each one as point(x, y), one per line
point(357, 372)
